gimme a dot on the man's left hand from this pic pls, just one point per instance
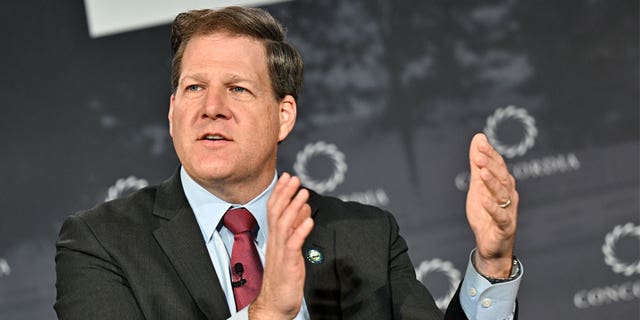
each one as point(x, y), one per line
point(492, 209)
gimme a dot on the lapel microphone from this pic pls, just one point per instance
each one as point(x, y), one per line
point(238, 268)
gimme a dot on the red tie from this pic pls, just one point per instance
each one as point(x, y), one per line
point(246, 268)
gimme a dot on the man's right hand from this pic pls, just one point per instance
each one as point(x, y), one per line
point(289, 219)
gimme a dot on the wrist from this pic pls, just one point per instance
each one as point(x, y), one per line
point(258, 311)
point(496, 270)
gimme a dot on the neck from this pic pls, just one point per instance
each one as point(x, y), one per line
point(238, 192)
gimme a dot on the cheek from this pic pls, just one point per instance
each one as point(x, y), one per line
point(271, 128)
point(178, 126)
point(259, 124)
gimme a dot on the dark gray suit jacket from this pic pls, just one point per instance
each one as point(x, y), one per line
point(143, 257)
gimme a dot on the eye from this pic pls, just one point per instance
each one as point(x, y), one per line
point(193, 88)
point(238, 90)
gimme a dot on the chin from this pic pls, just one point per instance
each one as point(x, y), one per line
point(210, 172)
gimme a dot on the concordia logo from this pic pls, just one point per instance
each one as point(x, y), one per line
point(332, 152)
point(124, 186)
point(338, 163)
point(523, 170)
point(448, 270)
point(519, 114)
point(610, 241)
point(617, 292)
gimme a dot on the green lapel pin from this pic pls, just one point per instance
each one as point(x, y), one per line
point(314, 256)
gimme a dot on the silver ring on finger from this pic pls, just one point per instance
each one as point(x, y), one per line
point(505, 204)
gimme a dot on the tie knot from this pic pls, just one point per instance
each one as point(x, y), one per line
point(239, 220)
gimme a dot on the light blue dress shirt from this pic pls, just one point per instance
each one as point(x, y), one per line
point(480, 299)
point(209, 210)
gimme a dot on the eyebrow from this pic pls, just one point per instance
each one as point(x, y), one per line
point(235, 78)
point(195, 76)
point(227, 78)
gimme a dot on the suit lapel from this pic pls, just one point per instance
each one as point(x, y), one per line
point(321, 290)
point(182, 242)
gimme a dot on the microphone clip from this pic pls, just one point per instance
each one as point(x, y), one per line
point(238, 268)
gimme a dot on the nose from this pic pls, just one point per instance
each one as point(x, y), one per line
point(216, 106)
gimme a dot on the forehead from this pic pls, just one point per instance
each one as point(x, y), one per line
point(223, 50)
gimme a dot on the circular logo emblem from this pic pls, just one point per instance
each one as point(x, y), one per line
point(125, 186)
point(446, 268)
point(518, 114)
point(315, 256)
point(321, 148)
point(610, 241)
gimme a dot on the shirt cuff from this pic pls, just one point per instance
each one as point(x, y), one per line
point(241, 315)
point(482, 300)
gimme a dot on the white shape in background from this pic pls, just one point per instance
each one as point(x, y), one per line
point(5, 269)
point(519, 114)
point(610, 240)
point(331, 151)
point(107, 17)
point(375, 197)
point(124, 186)
point(446, 268)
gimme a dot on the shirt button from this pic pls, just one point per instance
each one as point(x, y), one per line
point(486, 303)
point(473, 292)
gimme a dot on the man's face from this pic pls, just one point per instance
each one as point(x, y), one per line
point(224, 119)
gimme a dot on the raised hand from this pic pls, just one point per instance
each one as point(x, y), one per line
point(492, 208)
point(289, 219)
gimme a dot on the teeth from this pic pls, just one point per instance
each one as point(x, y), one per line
point(214, 137)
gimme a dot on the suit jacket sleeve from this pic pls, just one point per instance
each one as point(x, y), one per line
point(411, 300)
point(89, 284)
point(409, 295)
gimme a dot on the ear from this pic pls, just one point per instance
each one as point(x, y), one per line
point(287, 111)
point(172, 102)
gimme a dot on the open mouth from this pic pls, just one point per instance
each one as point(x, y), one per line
point(213, 137)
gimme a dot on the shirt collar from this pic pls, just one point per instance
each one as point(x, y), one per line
point(209, 209)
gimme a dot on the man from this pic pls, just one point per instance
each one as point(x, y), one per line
point(226, 237)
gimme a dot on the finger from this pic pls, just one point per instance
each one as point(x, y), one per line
point(473, 152)
point(486, 148)
point(497, 168)
point(498, 181)
point(303, 213)
point(273, 203)
point(281, 197)
point(499, 215)
point(296, 240)
point(281, 184)
point(480, 154)
point(280, 224)
point(487, 157)
point(294, 212)
point(496, 188)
